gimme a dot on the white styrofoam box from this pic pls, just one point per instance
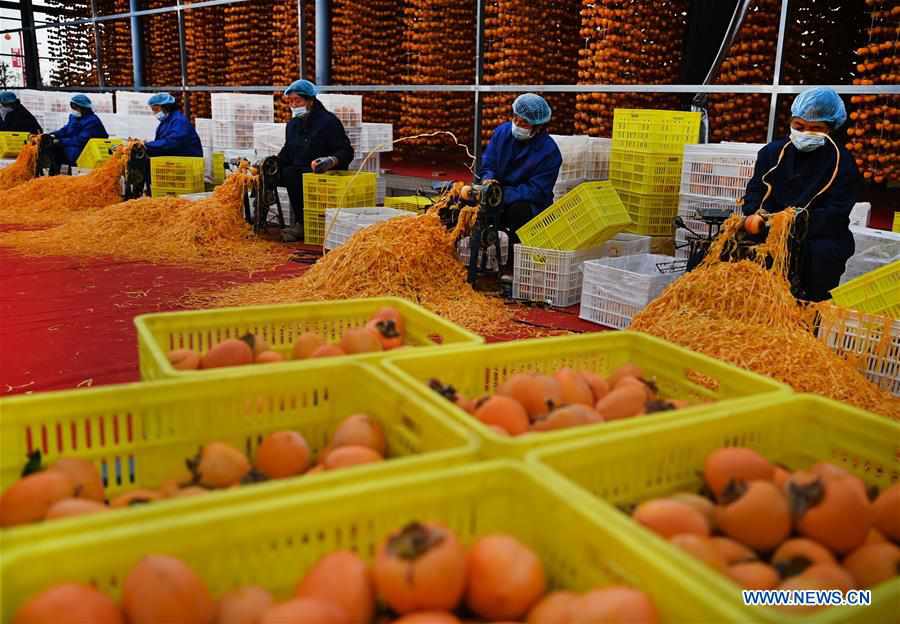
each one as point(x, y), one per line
point(859, 214)
point(341, 224)
point(204, 128)
point(716, 170)
point(597, 167)
point(347, 108)
point(129, 126)
point(233, 135)
point(243, 107)
point(548, 275)
point(860, 335)
point(268, 138)
point(615, 289)
point(375, 137)
point(133, 103)
point(575, 156)
point(462, 252)
point(625, 244)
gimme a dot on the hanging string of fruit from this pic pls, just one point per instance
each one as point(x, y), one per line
point(206, 58)
point(248, 41)
point(162, 62)
point(285, 51)
point(874, 127)
point(72, 48)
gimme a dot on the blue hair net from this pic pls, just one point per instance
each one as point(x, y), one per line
point(820, 104)
point(8, 97)
point(161, 99)
point(82, 100)
point(303, 87)
point(532, 108)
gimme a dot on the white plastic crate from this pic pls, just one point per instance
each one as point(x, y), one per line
point(624, 244)
point(204, 128)
point(341, 224)
point(548, 275)
point(129, 126)
point(51, 122)
point(597, 166)
point(859, 214)
point(561, 188)
point(375, 137)
point(716, 170)
point(859, 338)
point(575, 156)
point(347, 108)
point(232, 135)
point(689, 205)
point(37, 101)
point(103, 102)
point(874, 249)
point(268, 138)
point(133, 103)
point(615, 289)
point(380, 190)
point(243, 107)
point(372, 165)
point(462, 252)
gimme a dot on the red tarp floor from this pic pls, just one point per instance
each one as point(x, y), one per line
point(67, 322)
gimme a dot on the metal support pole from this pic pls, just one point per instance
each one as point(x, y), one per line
point(301, 30)
point(323, 42)
point(182, 53)
point(479, 75)
point(137, 50)
point(98, 59)
point(776, 75)
point(30, 47)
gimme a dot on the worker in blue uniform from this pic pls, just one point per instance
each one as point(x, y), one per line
point(809, 169)
point(175, 135)
point(315, 142)
point(16, 118)
point(83, 125)
point(523, 158)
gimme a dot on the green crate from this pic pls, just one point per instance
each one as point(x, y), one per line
point(586, 216)
point(876, 292)
point(138, 435)
point(335, 189)
point(280, 326)
point(657, 131)
point(679, 373)
point(796, 430)
point(274, 542)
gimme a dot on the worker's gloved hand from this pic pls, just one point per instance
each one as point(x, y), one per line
point(321, 165)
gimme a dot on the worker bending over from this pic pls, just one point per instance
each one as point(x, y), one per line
point(809, 169)
point(83, 125)
point(16, 118)
point(175, 136)
point(315, 142)
point(525, 160)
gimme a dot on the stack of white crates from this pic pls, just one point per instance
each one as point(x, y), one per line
point(713, 175)
point(268, 139)
point(342, 223)
point(584, 159)
point(52, 108)
point(616, 289)
point(234, 116)
point(129, 126)
point(555, 277)
point(374, 137)
point(133, 103)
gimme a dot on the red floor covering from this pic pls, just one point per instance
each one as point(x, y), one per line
point(67, 322)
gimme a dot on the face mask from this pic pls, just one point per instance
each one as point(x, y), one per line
point(299, 111)
point(807, 141)
point(520, 134)
point(161, 115)
point(75, 114)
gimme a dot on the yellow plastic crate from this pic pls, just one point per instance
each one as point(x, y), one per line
point(280, 326)
point(641, 172)
point(679, 373)
point(658, 131)
point(652, 214)
point(586, 216)
point(11, 143)
point(138, 435)
point(413, 203)
point(876, 292)
point(274, 542)
point(176, 175)
point(336, 189)
point(218, 168)
point(97, 152)
point(796, 430)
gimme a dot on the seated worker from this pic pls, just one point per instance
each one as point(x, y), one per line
point(175, 136)
point(16, 118)
point(809, 169)
point(525, 160)
point(315, 142)
point(83, 126)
